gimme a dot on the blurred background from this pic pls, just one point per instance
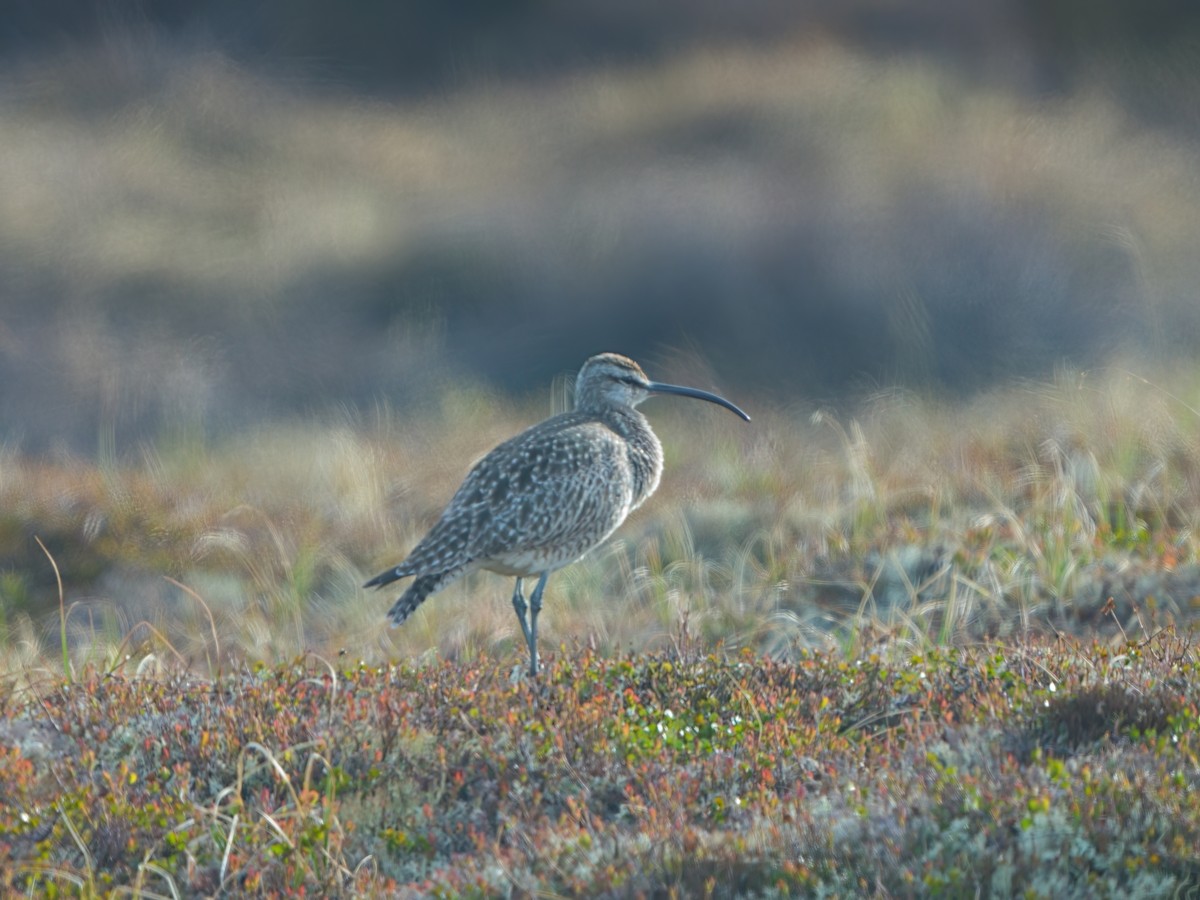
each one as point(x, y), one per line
point(215, 213)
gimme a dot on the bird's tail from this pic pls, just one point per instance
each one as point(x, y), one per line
point(417, 592)
point(387, 577)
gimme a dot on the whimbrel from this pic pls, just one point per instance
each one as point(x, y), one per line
point(546, 497)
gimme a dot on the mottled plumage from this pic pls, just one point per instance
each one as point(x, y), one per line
point(549, 495)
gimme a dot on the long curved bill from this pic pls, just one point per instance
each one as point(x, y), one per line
point(657, 387)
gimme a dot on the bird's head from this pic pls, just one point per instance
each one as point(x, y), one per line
point(612, 379)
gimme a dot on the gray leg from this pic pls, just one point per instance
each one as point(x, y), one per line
point(535, 607)
point(519, 606)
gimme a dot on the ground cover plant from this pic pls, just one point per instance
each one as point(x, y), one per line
point(926, 640)
point(1039, 769)
point(927, 648)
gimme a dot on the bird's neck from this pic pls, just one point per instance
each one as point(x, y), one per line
point(643, 447)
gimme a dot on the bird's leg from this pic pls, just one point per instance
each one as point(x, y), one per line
point(519, 606)
point(535, 607)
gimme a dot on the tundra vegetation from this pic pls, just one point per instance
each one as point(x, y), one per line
point(926, 640)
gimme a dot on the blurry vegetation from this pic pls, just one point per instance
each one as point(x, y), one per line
point(424, 45)
point(212, 214)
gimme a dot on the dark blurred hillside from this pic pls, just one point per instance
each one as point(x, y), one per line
point(423, 44)
point(212, 213)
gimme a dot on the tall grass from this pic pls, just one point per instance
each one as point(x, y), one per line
point(906, 519)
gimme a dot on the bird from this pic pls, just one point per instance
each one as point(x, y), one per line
point(543, 499)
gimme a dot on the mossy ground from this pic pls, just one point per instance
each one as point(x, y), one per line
point(1037, 769)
